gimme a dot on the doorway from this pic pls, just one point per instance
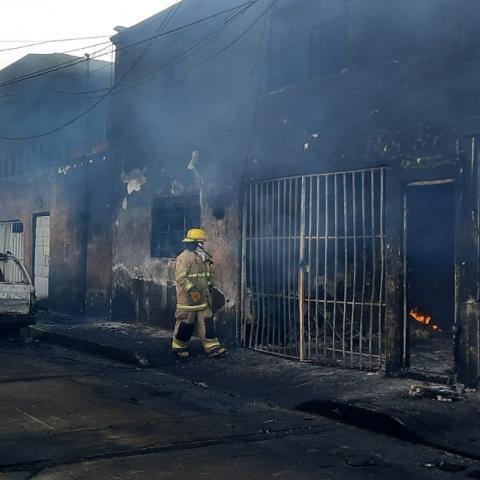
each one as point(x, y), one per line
point(429, 301)
point(41, 257)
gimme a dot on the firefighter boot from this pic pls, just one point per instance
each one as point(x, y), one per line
point(209, 338)
point(183, 333)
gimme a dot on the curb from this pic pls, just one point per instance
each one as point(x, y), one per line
point(87, 346)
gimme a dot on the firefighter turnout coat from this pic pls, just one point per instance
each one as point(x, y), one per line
point(194, 271)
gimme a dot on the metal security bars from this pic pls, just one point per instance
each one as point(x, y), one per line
point(313, 279)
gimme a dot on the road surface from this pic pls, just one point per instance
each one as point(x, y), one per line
point(66, 415)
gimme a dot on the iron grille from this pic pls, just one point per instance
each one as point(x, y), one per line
point(313, 277)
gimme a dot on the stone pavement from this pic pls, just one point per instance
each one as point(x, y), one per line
point(368, 400)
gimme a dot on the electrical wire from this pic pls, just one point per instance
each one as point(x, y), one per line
point(223, 49)
point(108, 44)
point(133, 65)
point(238, 38)
point(61, 66)
point(45, 42)
point(137, 81)
point(197, 45)
point(70, 64)
point(164, 23)
point(81, 74)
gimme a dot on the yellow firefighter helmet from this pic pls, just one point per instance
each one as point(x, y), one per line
point(195, 235)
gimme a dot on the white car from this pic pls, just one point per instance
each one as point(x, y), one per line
point(17, 295)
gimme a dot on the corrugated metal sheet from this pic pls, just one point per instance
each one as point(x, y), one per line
point(11, 240)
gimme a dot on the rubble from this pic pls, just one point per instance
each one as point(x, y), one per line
point(142, 361)
point(441, 393)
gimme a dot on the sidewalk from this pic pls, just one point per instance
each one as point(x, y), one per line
point(366, 400)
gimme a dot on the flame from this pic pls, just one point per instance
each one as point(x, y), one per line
point(424, 319)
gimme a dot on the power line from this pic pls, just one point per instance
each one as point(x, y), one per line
point(61, 66)
point(45, 42)
point(150, 41)
point(197, 45)
point(63, 94)
point(166, 20)
point(184, 54)
point(211, 57)
point(70, 64)
point(239, 10)
point(238, 38)
point(50, 40)
point(108, 44)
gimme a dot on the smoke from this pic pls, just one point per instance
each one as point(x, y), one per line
point(36, 105)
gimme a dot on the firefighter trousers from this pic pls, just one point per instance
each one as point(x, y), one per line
point(201, 324)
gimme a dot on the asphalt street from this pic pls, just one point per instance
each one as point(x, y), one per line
point(67, 415)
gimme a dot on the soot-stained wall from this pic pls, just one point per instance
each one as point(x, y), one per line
point(63, 171)
point(159, 125)
point(276, 89)
point(78, 198)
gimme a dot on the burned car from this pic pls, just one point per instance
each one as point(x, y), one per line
point(17, 295)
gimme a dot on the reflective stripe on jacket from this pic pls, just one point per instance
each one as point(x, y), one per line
point(192, 271)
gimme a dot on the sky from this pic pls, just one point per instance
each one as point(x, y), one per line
point(38, 20)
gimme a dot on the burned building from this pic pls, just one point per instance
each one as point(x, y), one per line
point(330, 150)
point(54, 178)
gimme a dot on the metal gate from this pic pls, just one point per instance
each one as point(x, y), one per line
point(313, 268)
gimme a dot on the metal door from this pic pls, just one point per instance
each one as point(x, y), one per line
point(313, 268)
point(41, 263)
point(467, 325)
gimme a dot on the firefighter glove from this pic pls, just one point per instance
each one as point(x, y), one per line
point(196, 296)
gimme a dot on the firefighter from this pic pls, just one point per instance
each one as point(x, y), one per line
point(194, 283)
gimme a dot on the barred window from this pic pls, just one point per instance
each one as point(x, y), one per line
point(172, 217)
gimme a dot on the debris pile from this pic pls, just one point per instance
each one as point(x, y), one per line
point(441, 393)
